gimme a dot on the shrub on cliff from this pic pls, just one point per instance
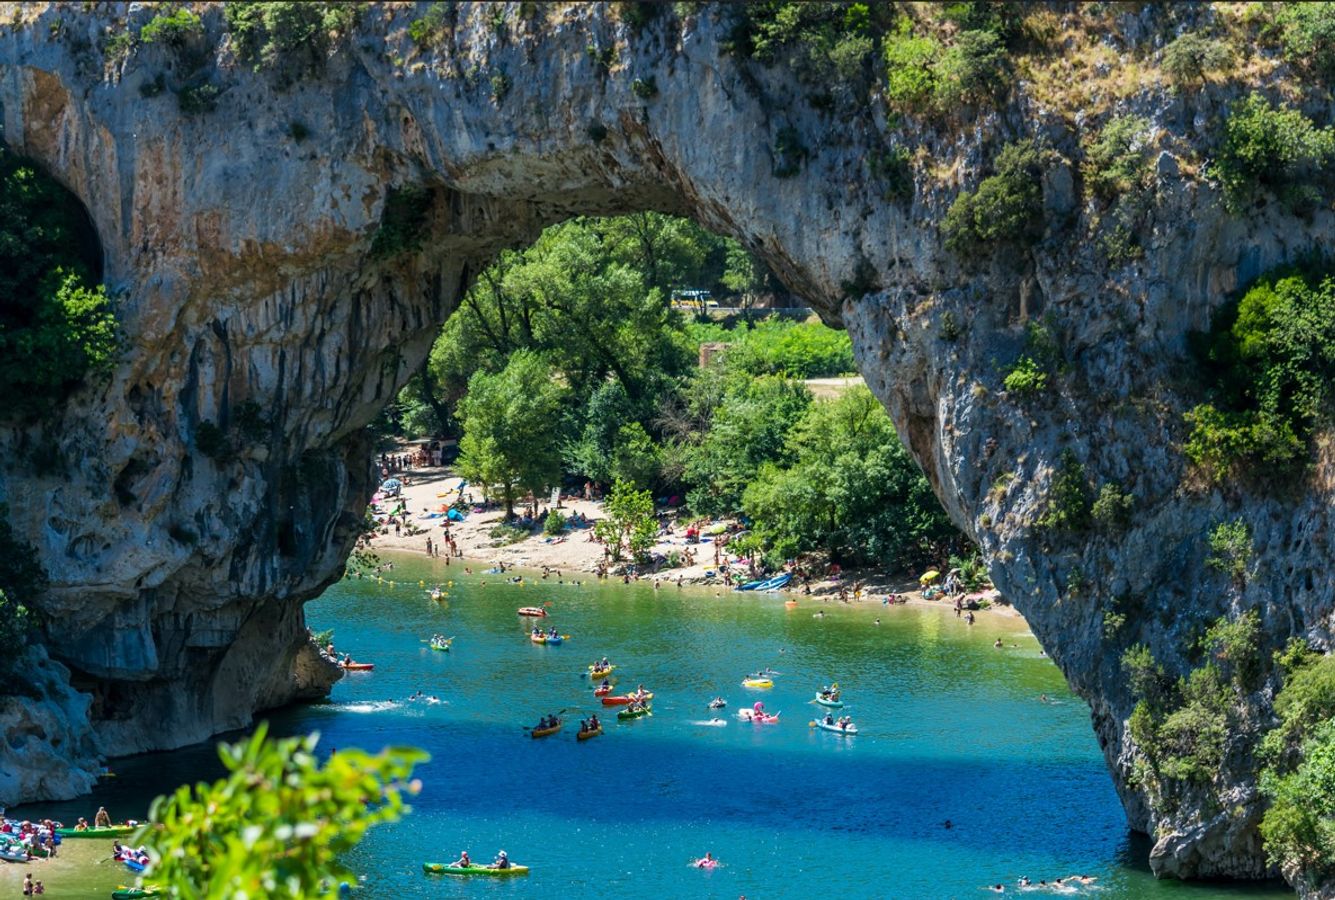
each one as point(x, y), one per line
point(1307, 36)
point(1191, 57)
point(1115, 160)
point(1274, 148)
point(174, 28)
point(1007, 207)
point(292, 39)
point(1270, 366)
point(56, 325)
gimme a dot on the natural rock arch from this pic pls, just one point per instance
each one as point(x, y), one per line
point(254, 306)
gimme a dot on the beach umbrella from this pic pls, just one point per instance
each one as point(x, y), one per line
point(929, 576)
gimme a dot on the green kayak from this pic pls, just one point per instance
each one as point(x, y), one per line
point(104, 832)
point(633, 713)
point(133, 893)
point(442, 869)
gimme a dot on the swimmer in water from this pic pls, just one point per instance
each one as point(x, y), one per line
point(997, 644)
point(1043, 698)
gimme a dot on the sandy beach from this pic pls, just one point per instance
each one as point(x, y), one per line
point(427, 489)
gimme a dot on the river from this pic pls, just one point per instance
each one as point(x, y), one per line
point(951, 729)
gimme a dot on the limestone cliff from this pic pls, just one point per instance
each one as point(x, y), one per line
point(241, 240)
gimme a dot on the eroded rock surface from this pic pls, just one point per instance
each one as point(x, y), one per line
point(252, 302)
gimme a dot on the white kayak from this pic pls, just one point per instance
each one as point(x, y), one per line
point(711, 723)
point(851, 729)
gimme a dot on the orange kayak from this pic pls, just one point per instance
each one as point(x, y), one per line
point(602, 691)
point(358, 667)
point(536, 611)
point(626, 700)
point(585, 735)
point(544, 732)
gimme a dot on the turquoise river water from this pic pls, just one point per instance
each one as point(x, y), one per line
point(951, 729)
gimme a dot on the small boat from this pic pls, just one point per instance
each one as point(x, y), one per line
point(135, 865)
point(133, 893)
point(538, 638)
point(443, 869)
point(555, 638)
point(750, 715)
point(633, 713)
point(837, 729)
point(102, 832)
point(757, 683)
point(443, 646)
point(14, 852)
point(626, 699)
point(831, 700)
point(602, 691)
point(545, 732)
point(357, 667)
point(718, 703)
point(589, 733)
point(768, 584)
point(535, 611)
point(600, 673)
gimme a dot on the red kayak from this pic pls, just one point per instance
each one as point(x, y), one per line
point(535, 611)
point(358, 667)
point(625, 701)
point(602, 691)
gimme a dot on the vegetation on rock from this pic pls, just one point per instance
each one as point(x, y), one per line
point(1006, 208)
point(57, 328)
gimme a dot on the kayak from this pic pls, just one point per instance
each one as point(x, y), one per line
point(850, 730)
point(135, 865)
point(600, 673)
point(718, 704)
point(625, 700)
point(829, 702)
point(14, 853)
point(358, 667)
point(554, 639)
point(601, 691)
point(544, 732)
point(130, 893)
point(538, 638)
point(633, 713)
point(442, 647)
point(750, 715)
point(442, 869)
point(585, 735)
point(535, 611)
point(757, 683)
point(104, 831)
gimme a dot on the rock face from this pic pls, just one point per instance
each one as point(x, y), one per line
point(255, 308)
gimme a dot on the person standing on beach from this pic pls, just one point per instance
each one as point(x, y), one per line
point(428, 547)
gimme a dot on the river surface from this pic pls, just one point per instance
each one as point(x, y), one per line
point(951, 729)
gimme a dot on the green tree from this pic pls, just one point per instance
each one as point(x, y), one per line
point(1116, 159)
point(1268, 147)
point(1191, 57)
point(851, 491)
point(628, 524)
point(1231, 550)
point(56, 328)
point(1307, 35)
point(508, 419)
point(974, 68)
point(636, 459)
point(1006, 208)
point(910, 72)
point(278, 824)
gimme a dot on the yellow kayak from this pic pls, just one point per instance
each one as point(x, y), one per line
point(538, 638)
point(757, 683)
point(600, 673)
point(544, 732)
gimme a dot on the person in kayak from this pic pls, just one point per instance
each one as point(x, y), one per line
point(81, 825)
point(103, 818)
point(594, 724)
point(829, 719)
point(606, 684)
point(463, 862)
point(502, 861)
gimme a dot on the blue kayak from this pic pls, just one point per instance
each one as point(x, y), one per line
point(769, 584)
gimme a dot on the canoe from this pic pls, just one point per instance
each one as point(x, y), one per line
point(554, 640)
point(596, 674)
point(757, 683)
point(625, 700)
point(633, 713)
point(585, 735)
point(442, 869)
point(134, 865)
point(835, 729)
point(445, 648)
point(836, 704)
point(105, 831)
point(538, 638)
point(602, 691)
point(535, 611)
point(544, 732)
point(129, 893)
point(358, 667)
